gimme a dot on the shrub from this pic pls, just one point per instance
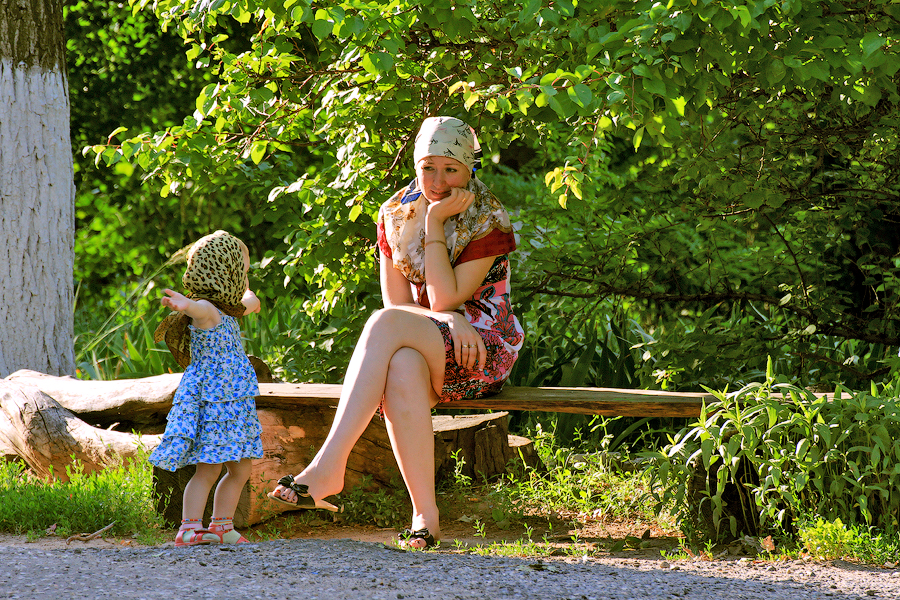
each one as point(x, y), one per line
point(772, 453)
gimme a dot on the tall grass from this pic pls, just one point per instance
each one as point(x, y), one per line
point(295, 346)
point(121, 495)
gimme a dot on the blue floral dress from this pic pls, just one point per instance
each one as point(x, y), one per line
point(213, 417)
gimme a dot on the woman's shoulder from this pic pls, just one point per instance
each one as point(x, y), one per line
point(393, 200)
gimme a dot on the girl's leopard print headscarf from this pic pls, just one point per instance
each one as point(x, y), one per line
point(215, 272)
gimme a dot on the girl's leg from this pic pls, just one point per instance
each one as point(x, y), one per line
point(408, 398)
point(196, 492)
point(386, 332)
point(225, 501)
point(228, 492)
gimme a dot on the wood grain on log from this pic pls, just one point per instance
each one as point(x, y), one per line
point(49, 437)
point(588, 401)
point(133, 404)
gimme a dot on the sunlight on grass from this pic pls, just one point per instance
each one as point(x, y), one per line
point(122, 495)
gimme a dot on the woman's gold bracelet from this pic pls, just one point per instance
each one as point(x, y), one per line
point(435, 242)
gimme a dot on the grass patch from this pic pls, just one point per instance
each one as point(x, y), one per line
point(121, 495)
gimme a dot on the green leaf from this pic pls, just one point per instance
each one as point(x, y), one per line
point(871, 42)
point(581, 95)
point(637, 138)
point(258, 151)
point(322, 28)
point(654, 85)
point(529, 11)
point(615, 96)
point(378, 62)
point(775, 71)
point(743, 14)
point(116, 132)
point(564, 7)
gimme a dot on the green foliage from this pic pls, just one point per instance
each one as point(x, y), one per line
point(122, 496)
point(832, 540)
point(580, 484)
point(727, 170)
point(761, 458)
point(381, 507)
point(827, 540)
point(123, 73)
point(296, 346)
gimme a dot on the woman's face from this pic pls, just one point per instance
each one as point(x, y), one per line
point(439, 174)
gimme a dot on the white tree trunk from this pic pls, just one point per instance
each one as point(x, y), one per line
point(37, 191)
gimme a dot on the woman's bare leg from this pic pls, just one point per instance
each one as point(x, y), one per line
point(387, 331)
point(408, 398)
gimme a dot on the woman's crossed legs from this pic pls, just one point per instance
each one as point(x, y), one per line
point(399, 360)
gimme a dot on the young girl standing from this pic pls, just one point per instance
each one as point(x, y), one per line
point(213, 418)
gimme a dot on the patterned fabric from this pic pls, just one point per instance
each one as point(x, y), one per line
point(448, 137)
point(403, 220)
point(490, 313)
point(215, 269)
point(215, 272)
point(213, 417)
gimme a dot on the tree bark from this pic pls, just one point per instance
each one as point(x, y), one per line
point(37, 191)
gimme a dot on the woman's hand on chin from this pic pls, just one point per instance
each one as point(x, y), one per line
point(456, 203)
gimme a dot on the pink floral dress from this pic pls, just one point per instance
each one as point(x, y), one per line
point(489, 310)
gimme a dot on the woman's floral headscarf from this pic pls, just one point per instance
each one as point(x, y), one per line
point(403, 216)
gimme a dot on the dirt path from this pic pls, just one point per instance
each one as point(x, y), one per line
point(339, 569)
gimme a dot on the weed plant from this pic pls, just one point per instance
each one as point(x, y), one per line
point(832, 540)
point(382, 507)
point(774, 453)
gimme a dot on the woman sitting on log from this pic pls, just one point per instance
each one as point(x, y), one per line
point(446, 331)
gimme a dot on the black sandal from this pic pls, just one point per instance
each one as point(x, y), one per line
point(304, 500)
point(422, 534)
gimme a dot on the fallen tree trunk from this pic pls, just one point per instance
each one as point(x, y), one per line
point(49, 438)
point(125, 404)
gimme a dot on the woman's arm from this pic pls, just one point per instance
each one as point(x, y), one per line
point(449, 287)
point(453, 286)
point(397, 293)
point(395, 288)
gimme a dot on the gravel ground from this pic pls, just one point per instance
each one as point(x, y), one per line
point(345, 569)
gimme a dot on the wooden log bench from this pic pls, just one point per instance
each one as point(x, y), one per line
point(579, 400)
point(297, 416)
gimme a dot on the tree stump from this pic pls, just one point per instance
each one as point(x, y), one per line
point(480, 443)
point(292, 437)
